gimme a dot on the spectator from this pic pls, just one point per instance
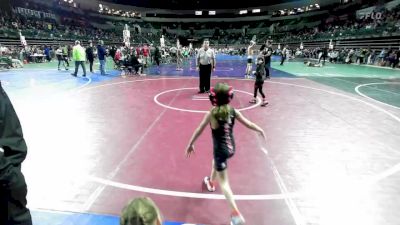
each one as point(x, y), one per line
point(113, 50)
point(60, 58)
point(65, 55)
point(90, 55)
point(333, 57)
point(371, 57)
point(47, 53)
point(382, 56)
point(157, 57)
point(397, 59)
point(284, 54)
point(146, 55)
point(101, 52)
point(16, 63)
point(392, 59)
point(152, 53)
point(138, 67)
point(118, 57)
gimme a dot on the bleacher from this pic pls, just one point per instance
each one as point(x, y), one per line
point(288, 29)
point(373, 43)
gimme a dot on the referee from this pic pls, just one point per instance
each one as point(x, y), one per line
point(205, 64)
point(267, 52)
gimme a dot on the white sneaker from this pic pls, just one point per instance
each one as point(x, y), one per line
point(210, 186)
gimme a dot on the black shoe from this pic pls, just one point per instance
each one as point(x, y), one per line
point(84, 75)
point(200, 92)
point(73, 74)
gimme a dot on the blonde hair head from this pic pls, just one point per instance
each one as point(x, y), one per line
point(140, 211)
point(221, 112)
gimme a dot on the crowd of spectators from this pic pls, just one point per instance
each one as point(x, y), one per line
point(47, 28)
point(80, 27)
point(388, 24)
point(387, 57)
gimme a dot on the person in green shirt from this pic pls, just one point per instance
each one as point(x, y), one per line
point(79, 56)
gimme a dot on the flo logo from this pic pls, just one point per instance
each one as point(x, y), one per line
point(373, 15)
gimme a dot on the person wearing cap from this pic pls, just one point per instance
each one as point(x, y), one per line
point(79, 56)
point(13, 150)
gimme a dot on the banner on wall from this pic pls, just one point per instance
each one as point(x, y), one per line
point(37, 14)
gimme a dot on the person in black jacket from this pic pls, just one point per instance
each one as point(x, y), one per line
point(138, 67)
point(13, 189)
point(157, 57)
point(113, 50)
point(102, 54)
point(284, 54)
point(90, 55)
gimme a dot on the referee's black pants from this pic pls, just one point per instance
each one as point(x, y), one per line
point(13, 210)
point(205, 78)
point(91, 59)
